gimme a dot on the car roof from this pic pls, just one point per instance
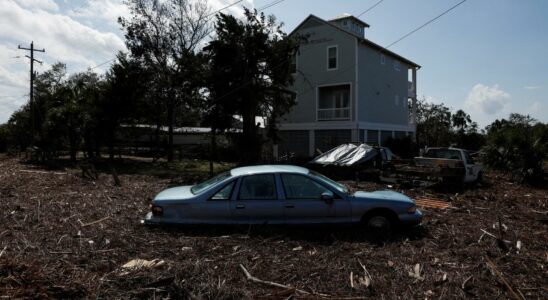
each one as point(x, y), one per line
point(268, 169)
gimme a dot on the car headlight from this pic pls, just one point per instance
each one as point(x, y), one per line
point(157, 210)
point(412, 209)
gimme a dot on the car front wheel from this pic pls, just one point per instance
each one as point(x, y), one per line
point(379, 224)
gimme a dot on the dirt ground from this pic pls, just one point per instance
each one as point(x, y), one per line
point(62, 236)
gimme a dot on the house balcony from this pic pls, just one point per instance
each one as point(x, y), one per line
point(333, 114)
point(411, 93)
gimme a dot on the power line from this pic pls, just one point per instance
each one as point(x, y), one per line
point(209, 15)
point(370, 8)
point(101, 64)
point(275, 2)
point(426, 24)
point(270, 5)
point(213, 13)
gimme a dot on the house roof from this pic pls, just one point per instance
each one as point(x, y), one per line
point(177, 130)
point(349, 16)
point(361, 39)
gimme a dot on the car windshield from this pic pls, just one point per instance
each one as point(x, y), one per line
point(328, 181)
point(206, 184)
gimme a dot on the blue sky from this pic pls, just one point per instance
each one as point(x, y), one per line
point(487, 57)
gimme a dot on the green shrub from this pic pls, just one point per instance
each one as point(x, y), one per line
point(517, 146)
point(3, 138)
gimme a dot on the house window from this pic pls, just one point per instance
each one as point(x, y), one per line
point(332, 58)
point(396, 65)
point(293, 66)
point(383, 59)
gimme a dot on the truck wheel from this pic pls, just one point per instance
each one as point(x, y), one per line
point(479, 179)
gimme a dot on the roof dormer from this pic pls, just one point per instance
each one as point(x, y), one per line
point(350, 23)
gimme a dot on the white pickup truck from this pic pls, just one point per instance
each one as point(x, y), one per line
point(451, 165)
point(455, 161)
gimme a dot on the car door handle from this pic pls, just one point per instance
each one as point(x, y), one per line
point(289, 206)
point(240, 206)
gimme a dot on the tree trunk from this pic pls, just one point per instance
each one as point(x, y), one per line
point(213, 151)
point(170, 120)
point(72, 145)
point(88, 145)
point(156, 142)
point(110, 150)
point(249, 143)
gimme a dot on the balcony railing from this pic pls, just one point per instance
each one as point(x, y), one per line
point(329, 114)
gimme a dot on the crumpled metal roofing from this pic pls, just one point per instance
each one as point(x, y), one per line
point(347, 155)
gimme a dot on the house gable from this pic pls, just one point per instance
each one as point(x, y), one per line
point(315, 66)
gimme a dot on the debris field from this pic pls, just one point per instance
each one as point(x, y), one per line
point(63, 236)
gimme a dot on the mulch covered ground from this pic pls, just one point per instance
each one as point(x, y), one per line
point(62, 236)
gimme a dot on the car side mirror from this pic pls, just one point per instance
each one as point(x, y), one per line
point(328, 197)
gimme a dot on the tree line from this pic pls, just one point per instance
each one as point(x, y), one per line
point(183, 67)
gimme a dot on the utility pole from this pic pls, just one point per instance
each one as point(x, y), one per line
point(31, 94)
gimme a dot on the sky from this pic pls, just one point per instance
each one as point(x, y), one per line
point(487, 57)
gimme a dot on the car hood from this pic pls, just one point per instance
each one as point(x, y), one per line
point(385, 195)
point(175, 193)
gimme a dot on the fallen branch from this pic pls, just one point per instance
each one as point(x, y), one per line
point(95, 222)
point(463, 286)
point(493, 236)
point(43, 172)
point(498, 273)
point(271, 283)
point(3, 250)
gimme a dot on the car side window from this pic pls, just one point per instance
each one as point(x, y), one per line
point(258, 187)
point(301, 187)
point(224, 193)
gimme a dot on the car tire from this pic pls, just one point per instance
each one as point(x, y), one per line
point(379, 223)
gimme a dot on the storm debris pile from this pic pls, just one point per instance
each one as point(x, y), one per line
point(62, 236)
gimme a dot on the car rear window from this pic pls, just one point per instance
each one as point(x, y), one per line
point(443, 153)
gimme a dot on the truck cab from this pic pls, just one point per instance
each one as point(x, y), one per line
point(452, 158)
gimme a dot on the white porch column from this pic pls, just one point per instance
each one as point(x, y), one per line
point(379, 137)
point(414, 99)
point(355, 135)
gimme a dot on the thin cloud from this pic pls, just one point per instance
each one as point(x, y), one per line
point(49, 5)
point(532, 87)
point(108, 10)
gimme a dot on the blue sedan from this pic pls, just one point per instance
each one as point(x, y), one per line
point(279, 194)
